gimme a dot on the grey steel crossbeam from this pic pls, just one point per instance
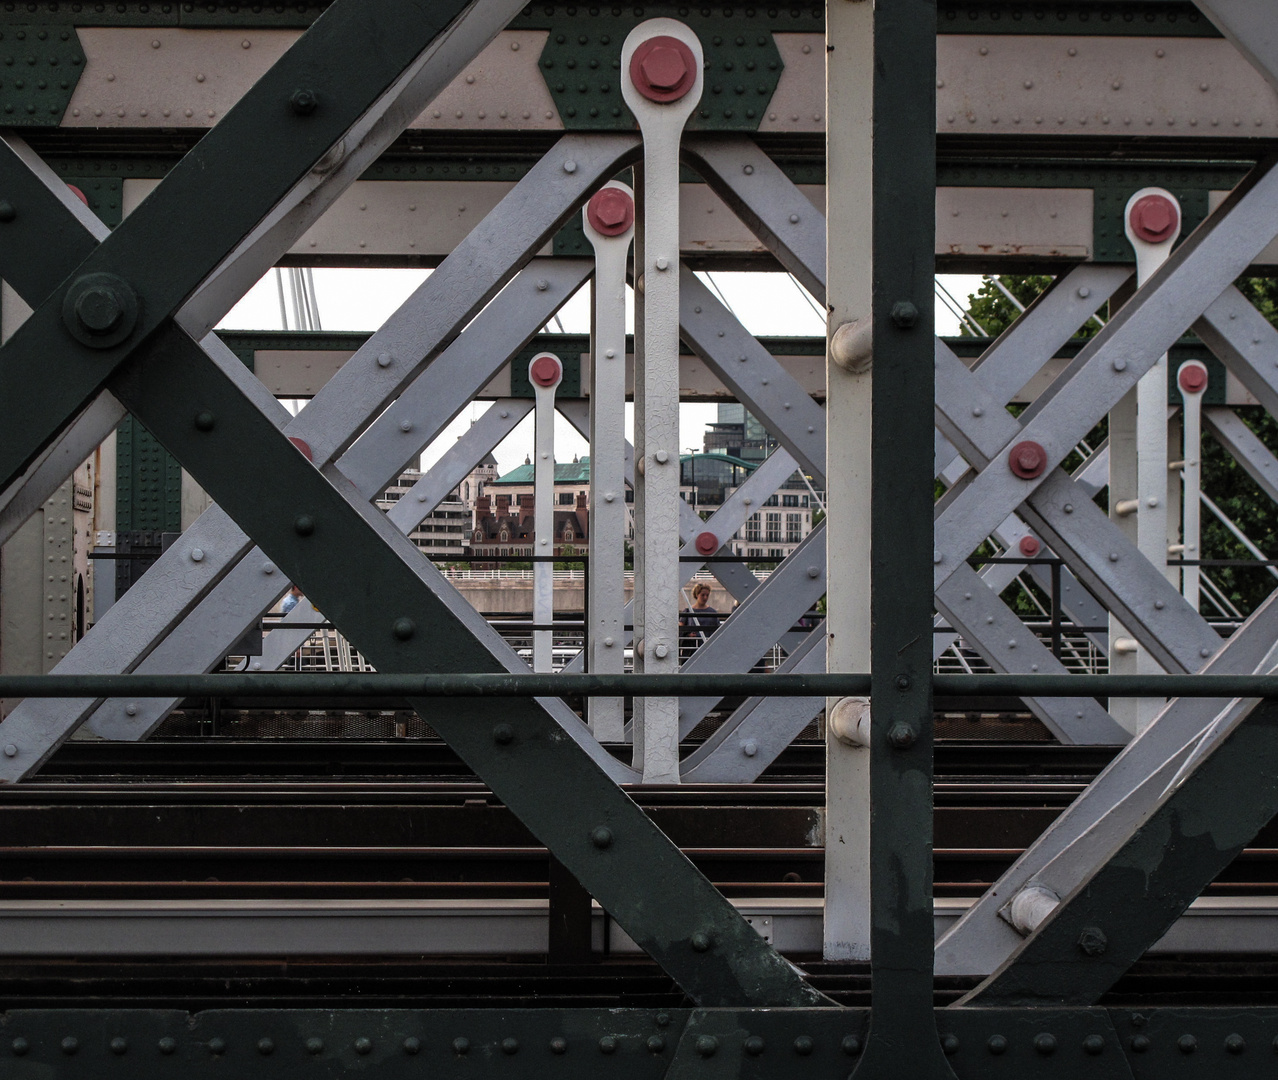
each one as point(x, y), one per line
point(1244, 446)
point(758, 622)
point(767, 201)
point(1109, 365)
point(1248, 24)
point(1107, 809)
point(1131, 899)
point(1007, 644)
point(757, 732)
point(285, 123)
point(1245, 342)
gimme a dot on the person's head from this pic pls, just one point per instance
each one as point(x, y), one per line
point(295, 590)
point(701, 594)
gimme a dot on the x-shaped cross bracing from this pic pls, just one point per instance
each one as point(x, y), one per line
point(134, 333)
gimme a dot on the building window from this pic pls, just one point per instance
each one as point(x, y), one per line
point(773, 524)
point(565, 498)
point(504, 537)
point(789, 500)
point(752, 529)
point(776, 553)
point(772, 501)
point(568, 534)
point(793, 528)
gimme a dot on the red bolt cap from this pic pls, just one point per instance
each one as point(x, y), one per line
point(663, 69)
point(1193, 378)
point(79, 194)
point(707, 543)
point(610, 211)
point(545, 370)
point(303, 446)
point(1030, 546)
point(1027, 460)
point(1154, 218)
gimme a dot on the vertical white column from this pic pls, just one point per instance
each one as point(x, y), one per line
point(545, 373)
point(609, 223)
point(849, 98)
point(661, 81)
point(1192, 382)
point(1153, 223)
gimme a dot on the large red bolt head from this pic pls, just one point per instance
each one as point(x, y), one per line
point(1027, 460)
point(1030, 546)
point(707, 543)
point(545, 370)
point(303, 446)
point(1193, 378)
point(79, 194)
point(610, 211)
point(663, 69)
point(1154, 218)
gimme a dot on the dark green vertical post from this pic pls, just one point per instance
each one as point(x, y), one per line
point(902, 1039)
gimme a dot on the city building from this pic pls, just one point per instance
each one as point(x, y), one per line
point(444, 531)
point(503, 522)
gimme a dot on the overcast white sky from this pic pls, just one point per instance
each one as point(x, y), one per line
point(766, 303)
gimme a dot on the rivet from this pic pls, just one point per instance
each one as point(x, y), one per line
point(661, 457)
point(70, 1044)
point(1204, 652)
point(950, 1044)
point(303, 102)
point(404, 628)
point(406, 426)
point(794, 219)
point(904, 314)
point(977, 411)
point(1092, 941)
point(601, 837)
point(1045, 1043)
point(1068, 508)
point(503, 734)
point(384, 359)
point(20, 1046)
point(608, 1044)
point(304, 525)
point(461, 1045)
point(205, 421)
point(1159, 605)
point(656, 1044)
point(1186, 1044)
point(663, 263)
point(314, 1045)
point(903, 682)
point(265, 1047)
point(851, 1045)
point(570, 167)
point(167, 1045)
point(707, 1045)
point(197, 554)
point(663, 1019)
point(1235, 1044)
point(1113, 556)
point(559, 1045)
point(217, 1046)
point(1139, 1043)
point(938, 557)
point(10, 750)
point(509, 1046)
point(1094, 1044)
point(803, 1045)
point(268, 568)
point(119, 1045)
point(902, 736)
point(130, 709)
point(754, 1046)
point(363, 1045)
point(997, 1044)
point(7, 211)
point(750, 747)
point(1120, 365)
point(700, 941)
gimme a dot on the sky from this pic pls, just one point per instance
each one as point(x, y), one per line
point(362, 299)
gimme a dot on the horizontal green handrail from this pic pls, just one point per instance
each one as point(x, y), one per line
point(371, 685)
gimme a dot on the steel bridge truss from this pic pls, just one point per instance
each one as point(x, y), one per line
point(121, 321)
